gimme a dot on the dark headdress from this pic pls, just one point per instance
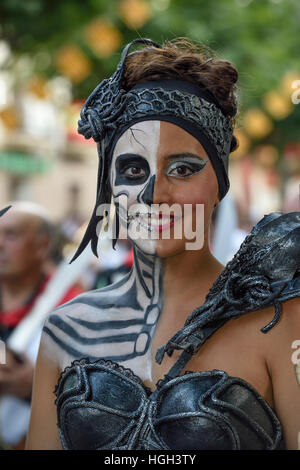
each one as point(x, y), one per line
point(110, 110)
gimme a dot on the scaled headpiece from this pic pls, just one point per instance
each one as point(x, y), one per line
point(110, 110)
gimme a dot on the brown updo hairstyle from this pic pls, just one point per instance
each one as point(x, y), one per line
point(182, 60)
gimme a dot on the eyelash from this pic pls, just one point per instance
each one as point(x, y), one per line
point(193, 169)
point(133, 176)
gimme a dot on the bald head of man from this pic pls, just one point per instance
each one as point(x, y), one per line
point(25, 240)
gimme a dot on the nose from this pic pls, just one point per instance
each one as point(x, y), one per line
point(163, 192)
point(147, 196)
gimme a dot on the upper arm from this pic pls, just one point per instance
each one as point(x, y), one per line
point(43, 431)
point(286, 389)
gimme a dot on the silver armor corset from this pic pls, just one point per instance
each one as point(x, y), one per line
point(101, 405)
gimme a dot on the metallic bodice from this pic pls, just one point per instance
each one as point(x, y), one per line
point(104, 406)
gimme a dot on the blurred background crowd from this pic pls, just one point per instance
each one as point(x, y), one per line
point(52, 55)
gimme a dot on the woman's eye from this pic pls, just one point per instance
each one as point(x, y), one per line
point(134, 172)
point(184, 169)
point(181, 171)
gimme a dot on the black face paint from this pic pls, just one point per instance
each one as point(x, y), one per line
point(131, 169)
point(147, 196)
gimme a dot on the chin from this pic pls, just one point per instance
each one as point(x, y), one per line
point(171, 247)
point(146, 246)
point(160, 248)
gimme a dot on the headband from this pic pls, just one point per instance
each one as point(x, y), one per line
point(110, 110)
point(187, 106)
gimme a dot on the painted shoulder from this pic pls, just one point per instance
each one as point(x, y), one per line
point(90, 324)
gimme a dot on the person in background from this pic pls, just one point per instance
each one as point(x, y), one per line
point(26, 236)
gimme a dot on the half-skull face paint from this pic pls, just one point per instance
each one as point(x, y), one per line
point(146, 162)
point(133, 170)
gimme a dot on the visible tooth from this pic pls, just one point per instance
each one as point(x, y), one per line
point(149, 221)
point(146, 226)
point(161, 221)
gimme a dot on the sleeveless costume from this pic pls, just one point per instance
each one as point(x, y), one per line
point(101, 405)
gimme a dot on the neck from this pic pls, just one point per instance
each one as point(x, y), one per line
point(189, 273)
point(16, 289)
point(147, 271)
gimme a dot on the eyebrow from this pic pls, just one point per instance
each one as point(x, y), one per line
point(124, 156)
point(173, 156)
point(177, 156)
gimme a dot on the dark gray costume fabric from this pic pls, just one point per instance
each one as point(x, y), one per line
point(101, 405)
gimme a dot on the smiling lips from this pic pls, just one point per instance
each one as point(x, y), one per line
point(155, 222)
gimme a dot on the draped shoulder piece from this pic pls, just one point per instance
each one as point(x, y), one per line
point(264, 272)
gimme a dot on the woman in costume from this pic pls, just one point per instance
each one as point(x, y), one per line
point(132, 366)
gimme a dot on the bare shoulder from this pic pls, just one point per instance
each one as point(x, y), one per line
point(281, 337)
point(292, 311)
point(281, 355)
point(245, 339)
point(288, 324)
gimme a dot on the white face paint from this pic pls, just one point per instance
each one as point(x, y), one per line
point(133, 169)
point(162, 154)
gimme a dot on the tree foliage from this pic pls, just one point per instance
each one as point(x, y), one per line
point(261, 37)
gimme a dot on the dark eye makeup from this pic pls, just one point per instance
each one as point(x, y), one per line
point(131, 169)
point(185, 166)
